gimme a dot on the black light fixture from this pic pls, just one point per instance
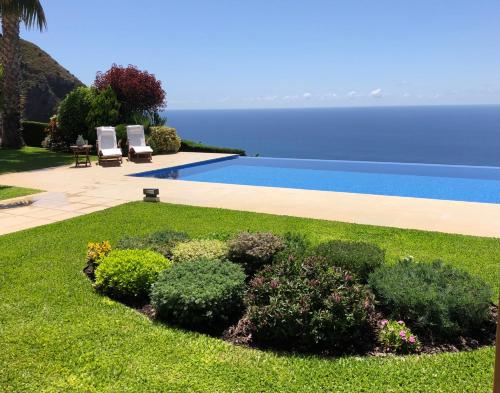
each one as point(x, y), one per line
point(151, 194)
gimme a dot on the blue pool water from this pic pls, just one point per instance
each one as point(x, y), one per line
point(448, 182)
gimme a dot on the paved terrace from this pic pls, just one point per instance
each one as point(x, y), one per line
point(71, 192)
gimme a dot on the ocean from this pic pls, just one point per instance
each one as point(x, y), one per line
point(456, 135)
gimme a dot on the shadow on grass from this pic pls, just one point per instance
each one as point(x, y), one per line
point(31, 158)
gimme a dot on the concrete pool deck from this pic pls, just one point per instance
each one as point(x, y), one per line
point(71, 192)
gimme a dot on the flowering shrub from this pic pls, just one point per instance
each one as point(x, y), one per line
point(98, 250)
point(307, 304)
point(357, 257)
point(164, 139)
point(129, 273)
point(200, 294)
point(434, 298)
point(95, 252)
point(208, 249)
point(397, 337)
point(253, 250)
point(136, 90)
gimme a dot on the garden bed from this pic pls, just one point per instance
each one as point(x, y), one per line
point(279, 292)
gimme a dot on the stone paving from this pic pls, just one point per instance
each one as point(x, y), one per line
point(71, 192)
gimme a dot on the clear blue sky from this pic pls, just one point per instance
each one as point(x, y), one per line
point(287, 53)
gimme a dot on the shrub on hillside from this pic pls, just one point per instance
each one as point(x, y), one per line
point(129, 274)
point(395, 336)
point(308, 304)
point(253, 250)
point(434, 298)
point(164, 139)
point(162, 242)
point(357, 257)
point(202, 295)
point(210, 249)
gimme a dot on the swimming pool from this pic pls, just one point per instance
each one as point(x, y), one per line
point(447, 182)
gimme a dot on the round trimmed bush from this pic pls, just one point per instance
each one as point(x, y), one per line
point(129, 273)
point(211, 249)
point(162, 242)
point(308, 304)
point(199, 294)
point(434, 298)
point(253, 250)
point(163, 139)
point(357, 257)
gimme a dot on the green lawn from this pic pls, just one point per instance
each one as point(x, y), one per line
point(58, 335)
point(7, 192)
point(30, 158)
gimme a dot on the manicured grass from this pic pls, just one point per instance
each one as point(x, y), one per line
point(30, 158)
point(57, 334)
point(7, 192)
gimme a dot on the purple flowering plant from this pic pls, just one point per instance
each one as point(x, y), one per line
point(395, 336)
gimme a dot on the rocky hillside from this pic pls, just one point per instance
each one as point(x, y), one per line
point(45, 82)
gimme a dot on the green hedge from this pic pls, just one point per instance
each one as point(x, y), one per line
point(34, 132)
point(187, 145)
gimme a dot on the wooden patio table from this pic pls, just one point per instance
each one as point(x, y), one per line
point(80, 152)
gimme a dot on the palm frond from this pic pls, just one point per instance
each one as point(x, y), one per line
point(29, 11)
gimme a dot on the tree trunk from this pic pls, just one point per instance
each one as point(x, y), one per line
point(11, 60)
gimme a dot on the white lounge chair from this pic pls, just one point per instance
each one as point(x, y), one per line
point(107, 149)
point(137, 143)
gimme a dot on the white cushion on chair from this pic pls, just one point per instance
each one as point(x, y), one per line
point(141, 149)
point(110, 152)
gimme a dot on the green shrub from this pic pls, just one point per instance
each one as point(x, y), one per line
point(72, 115)
point(187, 145)
point(193, 250)
point(357, 257)
point(434, 298)
point(308, 304)
point(397, 337)
point(296, 245)
point(253, 250)
point(34, 132)
point(121, 137)
point(104, 110)
point(164, 139)
point(129, 273)
point(202, 295)
point(162, 242)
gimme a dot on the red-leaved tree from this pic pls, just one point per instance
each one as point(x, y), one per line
point(137, 90)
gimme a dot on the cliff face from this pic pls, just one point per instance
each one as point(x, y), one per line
point(44, 82)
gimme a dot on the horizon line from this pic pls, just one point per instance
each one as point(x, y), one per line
point(330, 107)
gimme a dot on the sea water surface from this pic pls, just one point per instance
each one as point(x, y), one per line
point(453, 135)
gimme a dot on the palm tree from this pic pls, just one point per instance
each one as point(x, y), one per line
point(12, 12)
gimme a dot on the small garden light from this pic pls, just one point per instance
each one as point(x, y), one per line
point(151, 194)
